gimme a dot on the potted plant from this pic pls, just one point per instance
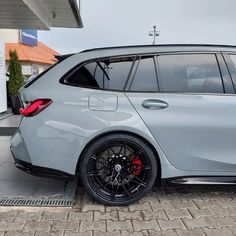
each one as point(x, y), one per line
point(16, 81)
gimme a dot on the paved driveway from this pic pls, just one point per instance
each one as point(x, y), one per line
point(170, 210)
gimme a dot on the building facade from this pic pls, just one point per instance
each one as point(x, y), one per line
point(33, 55)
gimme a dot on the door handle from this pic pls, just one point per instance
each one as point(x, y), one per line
point(154, 104)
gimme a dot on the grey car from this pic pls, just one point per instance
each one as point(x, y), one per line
point(124, 118)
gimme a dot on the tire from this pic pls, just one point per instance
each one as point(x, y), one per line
point(118, 169)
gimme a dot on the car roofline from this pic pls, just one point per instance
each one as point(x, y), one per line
point(160, 46)
point(65, 56)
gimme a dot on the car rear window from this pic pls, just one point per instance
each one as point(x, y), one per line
point(39, 75)
point(109, 74)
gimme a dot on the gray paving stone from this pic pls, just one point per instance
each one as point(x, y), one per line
point(43, 233)
point(184, 205)
point(96, 226)
point(171, 224)
point(215, 232)
point(206, 204)
point(8, 216)
point(11, 226)
point(197, 213)
point(154, 215)
point(141, 225)
point(93, 207)
point(222, 212)
point(114, 233)
point(117, 208)
point(150, 197)
point(136, 215)
point(163, 197)
point(18, 233)
point(169, 232)
point(196, 223)
point(191, 232)
point(122, 225)
point(232, 229)
point(70, 233)
point(157, 206)
point(222, 221)
point(25, 215)
point(87, 216)
point(113, 215)
point(126, 233)
point(65, 225)
point(31, 225)
point(140, 207)
point(178, 213)
point(55, 215)
point(190, 197)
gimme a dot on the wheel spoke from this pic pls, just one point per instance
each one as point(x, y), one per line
point(109, 148)
point(121, 147)
point(100, 158)
point(134, 154)
point(101, 184)
point(138, 181)
point(113, 194)
point(126, 190)
point(125, 149)
point(147, 167)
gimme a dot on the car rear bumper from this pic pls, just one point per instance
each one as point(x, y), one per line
point(23, 161)
point(18, 148)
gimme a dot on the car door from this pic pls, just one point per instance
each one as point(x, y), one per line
point(190, 110)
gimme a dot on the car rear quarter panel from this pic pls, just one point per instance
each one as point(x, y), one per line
point(56, 137)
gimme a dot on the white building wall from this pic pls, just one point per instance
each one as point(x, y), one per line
point(9, 35)
point(3, 95)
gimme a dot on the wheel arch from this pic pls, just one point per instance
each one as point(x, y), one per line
point(122, 132)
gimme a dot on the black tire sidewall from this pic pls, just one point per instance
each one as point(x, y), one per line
point(98, 143)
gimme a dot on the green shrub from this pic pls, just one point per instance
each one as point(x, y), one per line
point(16, 80)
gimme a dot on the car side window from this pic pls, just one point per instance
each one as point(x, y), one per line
point(196, 73)
point(110, 74)
point(145, 78)
point(233, 59)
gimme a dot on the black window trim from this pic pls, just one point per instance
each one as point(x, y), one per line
point(78, 66)
point(230, 66)
point(221, 75)
point(222, 64)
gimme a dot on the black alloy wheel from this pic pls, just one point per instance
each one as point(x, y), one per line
point(118, 169)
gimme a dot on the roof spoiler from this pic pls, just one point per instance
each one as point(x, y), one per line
point(62, 57)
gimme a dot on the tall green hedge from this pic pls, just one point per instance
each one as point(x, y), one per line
point(16, 80)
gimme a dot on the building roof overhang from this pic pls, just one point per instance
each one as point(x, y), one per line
point(39, 14)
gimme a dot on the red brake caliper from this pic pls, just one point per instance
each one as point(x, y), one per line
point(138, 165)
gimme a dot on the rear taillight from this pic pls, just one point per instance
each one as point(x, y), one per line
point(35, 107)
